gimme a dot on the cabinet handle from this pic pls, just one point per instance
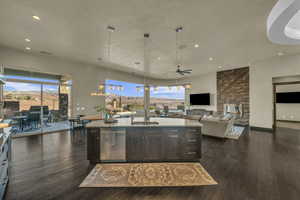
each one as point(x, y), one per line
point(192, 140)
point(173, 136)
point(194, 131)
point(190, 153)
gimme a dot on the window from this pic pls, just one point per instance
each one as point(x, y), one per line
point(36, 104)
point(167, 98)
point(20, 97)
point(126, 99)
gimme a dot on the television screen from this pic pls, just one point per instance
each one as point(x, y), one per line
point(288, 97)
point(200, 99)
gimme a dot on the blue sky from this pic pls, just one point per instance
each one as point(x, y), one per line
point(167, 93)
point(31, 79)
point(130, 90)
point(27, 87)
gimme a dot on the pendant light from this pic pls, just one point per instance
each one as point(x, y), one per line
point(146, 87)
point(102, 86)
point(146, 37)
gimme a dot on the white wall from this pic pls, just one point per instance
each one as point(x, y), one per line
point(288, 111)
point(85, 77)
point(261, 89)
point(206, 83)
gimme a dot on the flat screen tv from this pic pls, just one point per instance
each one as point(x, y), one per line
point(200, 99)
point(288, 97)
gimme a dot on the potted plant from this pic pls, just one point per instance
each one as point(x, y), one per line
point(102, 110)
point(105, 113)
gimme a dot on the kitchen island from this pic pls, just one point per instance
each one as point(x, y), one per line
point(163, 139)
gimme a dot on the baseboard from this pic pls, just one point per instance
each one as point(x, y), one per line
point(242, 125)
point(291, 121)
point(255, 128)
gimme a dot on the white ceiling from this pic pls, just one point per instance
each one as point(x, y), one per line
point(233, 32)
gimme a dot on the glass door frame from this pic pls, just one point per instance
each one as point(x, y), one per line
point(42, 83)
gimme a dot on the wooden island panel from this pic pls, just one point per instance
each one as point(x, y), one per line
point(153, 144)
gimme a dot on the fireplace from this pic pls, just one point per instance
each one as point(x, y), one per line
point(236, 109)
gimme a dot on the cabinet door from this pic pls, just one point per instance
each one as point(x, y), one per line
point(191, 144)
point(134, 145)
point(93, 144)
point(172, 144)
point(153, 140)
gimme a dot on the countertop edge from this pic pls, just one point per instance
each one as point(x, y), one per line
point(143, 126)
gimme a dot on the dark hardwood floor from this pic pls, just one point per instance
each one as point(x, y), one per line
point(258, 166)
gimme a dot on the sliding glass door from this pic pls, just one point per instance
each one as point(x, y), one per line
point(22, 103)
point(36, 106)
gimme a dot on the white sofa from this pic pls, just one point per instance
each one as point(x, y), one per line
point(217, 127)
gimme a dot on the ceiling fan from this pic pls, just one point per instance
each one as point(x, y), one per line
point(183, 72)
point(180, 71)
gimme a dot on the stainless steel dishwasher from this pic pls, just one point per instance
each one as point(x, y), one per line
point(113, 144)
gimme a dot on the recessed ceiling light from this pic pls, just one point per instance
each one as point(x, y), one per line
point(36, 17)
point(280, 54)
point(220, 67)
point(27, 48)
point(27, 40)
point(196, 45)
point(210, 59)
point(158, 58)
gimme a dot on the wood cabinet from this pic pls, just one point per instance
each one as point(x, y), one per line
point(191, 144)
point(93, 145)
point(163, 144)
point(153, 144)
point(172, 141)
point(134, 145)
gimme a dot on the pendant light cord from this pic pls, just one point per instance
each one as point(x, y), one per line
point(144, 60)
point(109, 49)
point(177, 63)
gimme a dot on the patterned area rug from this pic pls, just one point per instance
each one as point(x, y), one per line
point(148, 175)
point(236, 132)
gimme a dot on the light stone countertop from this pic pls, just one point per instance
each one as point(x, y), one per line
point(163, 122)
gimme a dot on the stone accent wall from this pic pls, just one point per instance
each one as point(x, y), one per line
point(233, 88)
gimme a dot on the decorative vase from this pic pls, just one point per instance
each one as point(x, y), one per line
point(102, 115)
